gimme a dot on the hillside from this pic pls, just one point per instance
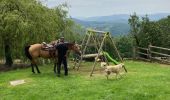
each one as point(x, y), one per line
point(116, 24)
point(116, 28)
point(123, 17)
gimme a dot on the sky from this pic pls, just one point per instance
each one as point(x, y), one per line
point(91, 8)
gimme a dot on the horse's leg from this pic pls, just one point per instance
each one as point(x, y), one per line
point(37, 68)
point(32, 66)
point(34, 63)
point(55, 64)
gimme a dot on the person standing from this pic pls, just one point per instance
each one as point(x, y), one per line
point(62, 56)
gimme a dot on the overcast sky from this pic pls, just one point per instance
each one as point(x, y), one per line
point(89, 8)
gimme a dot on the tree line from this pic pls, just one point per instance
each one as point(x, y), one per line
point(143, 32)
point(25, 22)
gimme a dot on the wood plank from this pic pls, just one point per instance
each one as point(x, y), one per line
point(95, 31)
point(91, 55)
point(142, 48)
point(142, 53)
point(160, 48)
point(153, 52)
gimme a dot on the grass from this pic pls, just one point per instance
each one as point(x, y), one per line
point(144, 81)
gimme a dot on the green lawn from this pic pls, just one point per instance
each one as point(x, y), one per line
point(144, 81)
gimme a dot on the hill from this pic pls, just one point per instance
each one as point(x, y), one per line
point(116, 24)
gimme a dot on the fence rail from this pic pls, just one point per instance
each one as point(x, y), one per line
point(149, 54)
point(159, 48)
point(162, 54)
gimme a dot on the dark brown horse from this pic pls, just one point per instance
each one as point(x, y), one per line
point(37, 50)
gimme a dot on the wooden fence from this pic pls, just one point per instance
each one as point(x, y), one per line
point(153, 53)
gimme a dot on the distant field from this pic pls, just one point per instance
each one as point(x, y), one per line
point(144, 81)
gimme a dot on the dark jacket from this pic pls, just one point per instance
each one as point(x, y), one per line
point(62, 49)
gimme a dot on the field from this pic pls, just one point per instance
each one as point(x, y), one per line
point(144, 81)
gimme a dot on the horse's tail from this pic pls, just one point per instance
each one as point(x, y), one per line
point(27, 52)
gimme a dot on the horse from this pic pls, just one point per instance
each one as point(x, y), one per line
point(35, 51)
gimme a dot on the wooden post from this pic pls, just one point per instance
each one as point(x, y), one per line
point(149, 52)
point(137, 50)
point(84, 49)
point(120, 58)
point(100, 49)
point(134, 52)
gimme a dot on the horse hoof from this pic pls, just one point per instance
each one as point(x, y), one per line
point(39, 72)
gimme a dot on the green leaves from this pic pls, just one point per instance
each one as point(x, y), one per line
point(145, 31)
point(24, 22)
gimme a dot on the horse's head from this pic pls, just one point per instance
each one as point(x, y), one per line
point(75, 47)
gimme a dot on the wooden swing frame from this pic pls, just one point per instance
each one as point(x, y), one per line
point(92, 35)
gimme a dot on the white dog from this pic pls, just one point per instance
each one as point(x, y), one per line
point(112, 68)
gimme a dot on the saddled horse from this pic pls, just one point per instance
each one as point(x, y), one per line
point(37, 50)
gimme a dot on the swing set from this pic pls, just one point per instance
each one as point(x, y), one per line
point(97, 40)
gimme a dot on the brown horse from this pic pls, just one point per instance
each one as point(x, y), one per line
point(37, 50)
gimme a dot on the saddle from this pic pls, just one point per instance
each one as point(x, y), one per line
point(50, 48)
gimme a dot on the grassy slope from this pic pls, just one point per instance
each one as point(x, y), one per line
point(144, 81)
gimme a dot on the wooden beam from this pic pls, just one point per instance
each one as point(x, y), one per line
point(142, 48)
point(142, 53)
point(91, 55)
point(100, 49)
point(160, 53)
point(114, 45)
point(84, 49)
point(160, 48)
point(95, 31)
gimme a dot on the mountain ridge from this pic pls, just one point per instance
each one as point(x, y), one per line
point(123, 17)
point(116, 24)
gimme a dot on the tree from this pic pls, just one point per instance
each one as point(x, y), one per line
point(134, 27)
point(149, 33)
point(11, 18)
point(164, 25)
point(24, 22)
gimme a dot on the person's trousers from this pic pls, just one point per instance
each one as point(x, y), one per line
point(62, 60)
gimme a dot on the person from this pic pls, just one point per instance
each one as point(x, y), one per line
point(61, 40)
point(62, 56)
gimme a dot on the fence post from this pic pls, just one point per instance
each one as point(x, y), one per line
point(134, 52)
point(149, 52)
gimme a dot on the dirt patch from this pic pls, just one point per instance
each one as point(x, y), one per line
point(4, 68)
